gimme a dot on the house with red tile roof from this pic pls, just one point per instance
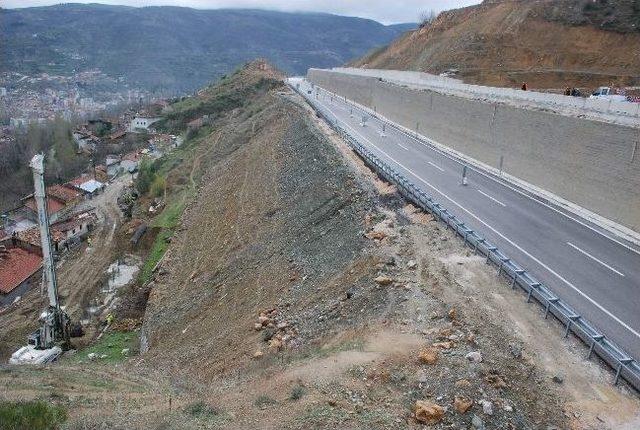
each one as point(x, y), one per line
point(20, 266)
point(60, 200)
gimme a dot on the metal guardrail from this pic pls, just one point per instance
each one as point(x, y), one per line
point(623, 365)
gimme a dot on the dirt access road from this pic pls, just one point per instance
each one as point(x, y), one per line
point(80, 272)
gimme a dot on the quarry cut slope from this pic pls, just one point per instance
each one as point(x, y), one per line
point(548, 44)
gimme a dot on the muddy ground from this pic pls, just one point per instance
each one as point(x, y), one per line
point(301, 292)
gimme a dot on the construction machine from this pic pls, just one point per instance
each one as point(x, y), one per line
point(47, 342)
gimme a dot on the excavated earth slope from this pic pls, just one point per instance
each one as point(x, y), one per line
point(547, 43)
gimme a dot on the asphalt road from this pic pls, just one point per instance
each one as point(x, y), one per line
point(593, 271)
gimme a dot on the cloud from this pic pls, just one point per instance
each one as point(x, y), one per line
point(384, 11)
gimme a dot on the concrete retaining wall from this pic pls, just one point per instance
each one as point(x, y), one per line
point(589, 163)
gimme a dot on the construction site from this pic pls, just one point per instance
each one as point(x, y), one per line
point(280, 283)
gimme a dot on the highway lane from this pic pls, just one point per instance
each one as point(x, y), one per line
point(596, 273)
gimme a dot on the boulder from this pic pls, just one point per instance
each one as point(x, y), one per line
point(428, 355)
point(474, 356)
point(428, 412)
point(462, 404)
point(383, 280)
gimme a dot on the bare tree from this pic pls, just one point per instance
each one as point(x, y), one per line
point(427, 17)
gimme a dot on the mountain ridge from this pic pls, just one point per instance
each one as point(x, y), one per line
point(177, 48)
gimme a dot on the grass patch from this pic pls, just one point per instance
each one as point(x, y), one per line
point(158, 249)
point(36, 415)
point(297, 392)
point(263, 401)
point(201, 410)
point(111, 344)
point(170, 216)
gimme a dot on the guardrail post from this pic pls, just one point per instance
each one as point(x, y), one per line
point(517, 274)
point(502, 261)
point(490, 249)
point(531, 288)
point(570, 319)
point(623, 362)
point(595, 339)
point(552, 300)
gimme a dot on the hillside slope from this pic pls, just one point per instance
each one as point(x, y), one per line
point(547, 43)
point(178, 48)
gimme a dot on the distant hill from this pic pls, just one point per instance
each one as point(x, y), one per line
point(547, 43)
point(179, 48)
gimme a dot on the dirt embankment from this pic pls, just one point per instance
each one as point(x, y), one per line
point(548, 44)
point(300, 292)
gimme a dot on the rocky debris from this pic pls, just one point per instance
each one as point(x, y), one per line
point(474, 356)
point(462, 404)
point(376, 235)
point(125, 352)
point(412, 265)
point(444, 345)
point(496, 381)
point(487, 407)
point(383, 280)
point(276, 331)
point(452, 314)
point(558, 379)
point(428, 355)
point(477, 422)
point(275, 343)
point(462, 383)
point(258, 354)
point(427, 412)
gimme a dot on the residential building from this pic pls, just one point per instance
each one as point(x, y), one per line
point(61, 200)
point(20, 265)
point(142, 123)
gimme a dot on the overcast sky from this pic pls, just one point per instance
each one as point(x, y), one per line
point(385, 11)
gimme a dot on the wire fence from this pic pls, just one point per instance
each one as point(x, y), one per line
point(623, 365)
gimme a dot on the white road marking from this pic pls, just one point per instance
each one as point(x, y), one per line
point(518, 247)
point(512, 188)
point(492, 198)
point(436, 166)
point(402, 146)
point(594, 258)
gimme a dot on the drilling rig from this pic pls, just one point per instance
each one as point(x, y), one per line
point(46, 343)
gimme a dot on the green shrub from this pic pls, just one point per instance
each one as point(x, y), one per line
point(157, 186)
point(146, 176)
point(34, 415)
